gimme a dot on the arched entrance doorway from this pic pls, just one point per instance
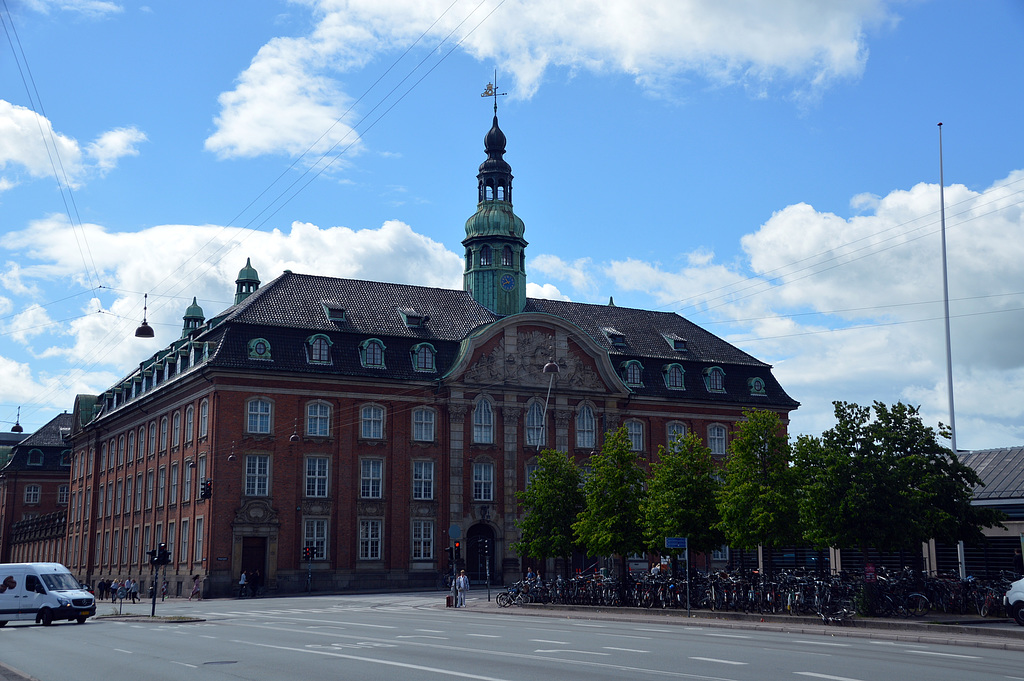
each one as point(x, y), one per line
point(480, 552)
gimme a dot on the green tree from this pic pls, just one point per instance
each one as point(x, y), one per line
point(610, 523)
point(681, 497)
point(757, 503)
point(550, 505)
point(886, 482)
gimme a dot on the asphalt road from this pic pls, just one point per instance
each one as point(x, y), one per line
point(408, 636)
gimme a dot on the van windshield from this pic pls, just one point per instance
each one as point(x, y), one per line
point(60, 581)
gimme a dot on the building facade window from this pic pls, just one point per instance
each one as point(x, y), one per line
point(535, 425)
point(186, 483)
point(130, 455)
point(257, 475)
point(316, 476)
point(150, 477)
point(318, 419)
point(674, 377)
point(183, 551)
point(635, 433)
point(717, 440)
point(422, 480)
point(675, 430)
point(506, 256)
point(634, 373)
point(485, 256)
point(483, 481)
point(586, 427)
point(163, 434)
point(152, 439)
point(142, 442)
point(371, 353)
point(62, 494)
point(372, 422)
point(314, 536)
point(319, 349)
point(204, 418)
point(422, 539)
point(197, 556)
point(190, 423)
point(161, 487)
point(714, 380)
point(120, 450)
point(369, 539)
point(483, 423)
point(32, 493)
point(174, 483)
point(423, 424)
point(371, 478)
point(423, 357)
point(258, 412)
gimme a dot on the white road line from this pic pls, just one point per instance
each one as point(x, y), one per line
point(625, 650)
point(370, 660)
point(642, 638)
point(657, 631)
point(542, 640)
point(431, 631)
point(439, 638)
point(824, 643)
point(184, 664)
point(827, 676)
point(594, 626)
point(714, 659)
point(728, 635)
point(580, 652)
point(894, 643)
point(484, 635)
point(122, 651)
point(928, 652)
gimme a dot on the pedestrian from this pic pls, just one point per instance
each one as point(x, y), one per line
point(101, 587)
point(242, 588)
point(256, 583)
point(133, 591)
point(197, 590)
point(461, 586)
point(1018, 563)
point(114, 586)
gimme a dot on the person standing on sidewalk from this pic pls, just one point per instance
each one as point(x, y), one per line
point(461, 587)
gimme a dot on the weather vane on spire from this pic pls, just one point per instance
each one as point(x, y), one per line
point(492, 91)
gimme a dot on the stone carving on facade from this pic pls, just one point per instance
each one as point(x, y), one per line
point(423, 510)
point(256, 512)
point(316, 507)
point(525, 367)
point(457, 412)
point(563, 417)
point(370, 508)
point(510, 415)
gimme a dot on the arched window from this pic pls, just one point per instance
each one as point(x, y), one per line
point(319, 349)
point(535, 425)
point(506, 256)
point(371, 353)
point(204, 418)
point(423, 357)
point(483, 423)
point(35, 457)
point(717, 439)
point(675, 430)
point(485, 256)
point(142, 442)
point(635, 432)
point(586, 427)
point(131, 447)
point(423, 424)
point(372, 419)
point(163, 434)
point(318, 419)
point(714, 380)
point(176, 430)
point(258, 416)
point(120, 450)
point(469, 259)
point(634, 373)
point(190, 422)
point(674, 377)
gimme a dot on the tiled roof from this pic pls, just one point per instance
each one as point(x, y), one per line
point(1002, 471)
point(50, 440)
point(52, 434)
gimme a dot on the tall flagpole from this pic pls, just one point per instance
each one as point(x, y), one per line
point(945, 300)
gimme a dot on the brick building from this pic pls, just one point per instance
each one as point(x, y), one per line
point(371, 421)
point(34, 493)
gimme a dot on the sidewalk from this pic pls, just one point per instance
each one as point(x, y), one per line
point(937, 628)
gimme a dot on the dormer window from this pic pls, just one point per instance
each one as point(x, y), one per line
point(714, 380)
point(678, 343)
point(413, 319)
point(633, 373)
point(259, 348)
point(757, 386)
point(371, 354)
point(424, 357)
point(615, 337)
point(35, 457)
point(334, 311)
point(674, 377)
point(318, 349)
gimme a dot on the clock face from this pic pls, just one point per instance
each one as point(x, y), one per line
point(508, 282)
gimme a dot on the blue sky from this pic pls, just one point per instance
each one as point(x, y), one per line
point(766, 169)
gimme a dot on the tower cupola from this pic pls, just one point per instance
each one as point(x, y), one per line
point(193, 318)
point(247, 283)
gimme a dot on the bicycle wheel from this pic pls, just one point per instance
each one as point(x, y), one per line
point(918, 605)
point(503, 600)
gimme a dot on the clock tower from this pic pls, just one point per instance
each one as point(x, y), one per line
point(495, 269)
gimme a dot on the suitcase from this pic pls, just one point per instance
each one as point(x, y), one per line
point(448, 602)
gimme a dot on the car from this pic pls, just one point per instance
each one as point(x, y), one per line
point(1014, 601)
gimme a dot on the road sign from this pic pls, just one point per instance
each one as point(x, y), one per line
point(675, 542)
point(454, 531)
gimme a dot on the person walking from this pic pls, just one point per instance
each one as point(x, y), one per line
point(461, 587)
point(133, 591)
point(197, 591)
point(242, 582)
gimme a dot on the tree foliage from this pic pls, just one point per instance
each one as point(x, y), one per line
point(681, 497)
point(757, 502)
point(885, 482)
point(610, 522)
point(550, 504)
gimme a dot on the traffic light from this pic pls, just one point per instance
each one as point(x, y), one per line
point(307, 553)
point(163, 556)
point(451, 554)
point(152, 556)
point(458, 550)
point(206, 489)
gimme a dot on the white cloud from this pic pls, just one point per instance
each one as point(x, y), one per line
point(289, 94)
point(546, 291)
point(22, 146)
point(579, 273)
point(28, 323)
point(92, 8)
point(114, 144)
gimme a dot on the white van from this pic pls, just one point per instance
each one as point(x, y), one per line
point(42, 592)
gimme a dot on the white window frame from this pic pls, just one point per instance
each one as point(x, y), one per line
point(257, 475)
point(483, 423)
point(535, 424)
point(370, 539)
point(672, 429)
point(371, 422)
point(314, 534)
point(318, 419)
point(635, 433)
point(423, 480)
point(483, 481)
point(204, 418)
point(423, 424)
point(34, 492)
point(317, 472)
point(422, 540)
point(371, 478)
point(190, 423)
point(586, 427)
point(718, 439)
point(259, 412)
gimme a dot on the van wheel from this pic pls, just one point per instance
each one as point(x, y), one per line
point(81, 620)
point(1017, 610)
point(46, 617)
